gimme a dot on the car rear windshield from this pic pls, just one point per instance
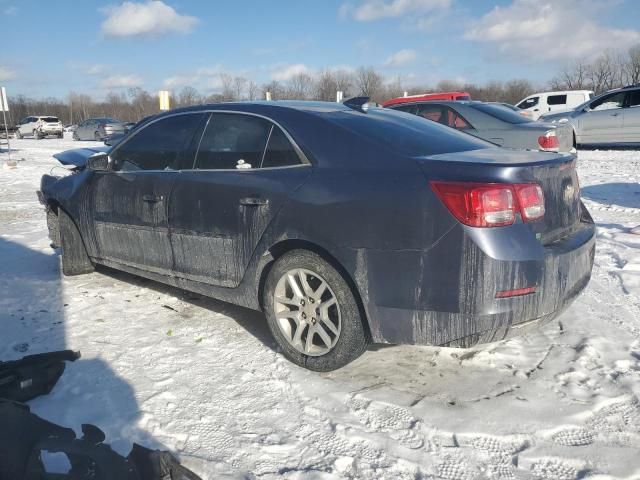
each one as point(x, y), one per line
point(500, 112)
point(406, 133)
point(107, 120)
point(50, 119)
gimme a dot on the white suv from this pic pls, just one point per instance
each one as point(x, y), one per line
point(39, 126)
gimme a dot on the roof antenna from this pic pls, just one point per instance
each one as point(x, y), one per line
point(360, 104)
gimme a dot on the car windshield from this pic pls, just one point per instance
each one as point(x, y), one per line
point(406, 133)
point(50, 119)
point(500, 112)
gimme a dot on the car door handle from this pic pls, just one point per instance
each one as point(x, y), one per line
point(253, 201)
point(152, 198)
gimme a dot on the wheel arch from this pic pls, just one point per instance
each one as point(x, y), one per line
point(281, 248)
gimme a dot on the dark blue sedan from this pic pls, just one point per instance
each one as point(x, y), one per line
point(345, 225)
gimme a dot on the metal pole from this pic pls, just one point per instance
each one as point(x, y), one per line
point(6, 131)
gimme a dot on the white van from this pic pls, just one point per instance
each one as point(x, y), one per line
point(545, 102)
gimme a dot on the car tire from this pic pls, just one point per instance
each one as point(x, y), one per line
point(75, 136)
point(341, 322)
point(18, 134)
point(61, 135)
point(36, 135)
point(75, 260)
point(96, 137)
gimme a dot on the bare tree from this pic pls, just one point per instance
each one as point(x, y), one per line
point(188, 96)
point(632, 65)
point(253, 91)
point(369, 83)
point(239, 85)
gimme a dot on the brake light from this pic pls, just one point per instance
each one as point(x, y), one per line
point(530, 200)
point(549, 141)
point(491, 204)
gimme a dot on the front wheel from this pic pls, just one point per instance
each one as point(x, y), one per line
point(75, 136)
point(36, 135)
point(18, 134)
point(96, 137)
point(313, 313)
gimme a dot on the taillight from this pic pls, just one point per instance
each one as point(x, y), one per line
point(549, 141)
point(491, 204)
point(530, 200)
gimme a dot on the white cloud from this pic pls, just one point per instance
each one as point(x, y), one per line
point(151, 18)
point(369, 10)
point(122, 81)
point(282, 73)
point(96, 69)
point(6, 74)
point(534, 30)
point(400, 58)
point(180, 81)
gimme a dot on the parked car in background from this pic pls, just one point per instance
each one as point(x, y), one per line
point(524, 113)
point(428, 97)
point(98, 129)
point(344, 224)
point(612, 118)
point(39, 126)
point(10, 129)
point(495, 123)
point(544, 102)
point(70, 128)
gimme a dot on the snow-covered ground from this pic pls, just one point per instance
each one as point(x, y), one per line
point(202, 378)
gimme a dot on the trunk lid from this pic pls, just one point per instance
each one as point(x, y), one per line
point(555, 173)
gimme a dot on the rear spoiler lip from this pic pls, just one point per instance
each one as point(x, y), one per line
point(78, 156)
point(501, 157)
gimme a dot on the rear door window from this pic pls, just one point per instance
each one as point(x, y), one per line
point(457, 121)
point(435, 113)
point(233, 141)
point(279, 152)
point(634, 98)
point(608, 102)
point(160, 145)
point(557, 100)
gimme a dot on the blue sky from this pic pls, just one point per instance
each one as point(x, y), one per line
point(95, 46)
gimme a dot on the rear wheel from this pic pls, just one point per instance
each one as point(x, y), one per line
point(75, 136)
point(96, 137)
point(18, 134)
point(312, 312)
point(36, 135)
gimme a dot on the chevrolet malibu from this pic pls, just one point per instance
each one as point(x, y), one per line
point(345, 225)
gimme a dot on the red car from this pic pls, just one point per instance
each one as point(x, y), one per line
point(428, 96)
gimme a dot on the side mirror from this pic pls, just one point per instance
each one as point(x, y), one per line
point(100, 162)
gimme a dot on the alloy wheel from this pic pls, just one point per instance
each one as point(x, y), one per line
point(307, 312)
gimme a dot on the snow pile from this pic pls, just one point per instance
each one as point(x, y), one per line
point(173, 370)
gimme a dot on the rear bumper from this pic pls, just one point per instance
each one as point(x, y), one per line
point(446, 300)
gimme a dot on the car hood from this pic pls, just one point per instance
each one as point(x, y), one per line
point(78, 156)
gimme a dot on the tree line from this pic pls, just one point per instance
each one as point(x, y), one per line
point(611, 69)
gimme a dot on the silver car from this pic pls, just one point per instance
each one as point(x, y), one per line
point(98, 129)
point(612, 118)
point(495, 123)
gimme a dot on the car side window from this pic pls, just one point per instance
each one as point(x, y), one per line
point(634, 98)
point(232, 141)
point(608, 102)
point(159, 145)
point(407, 109)
point(279, 152)
point(455, 120)
point(556, 100)
point(528, 103)
point(435, 113)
